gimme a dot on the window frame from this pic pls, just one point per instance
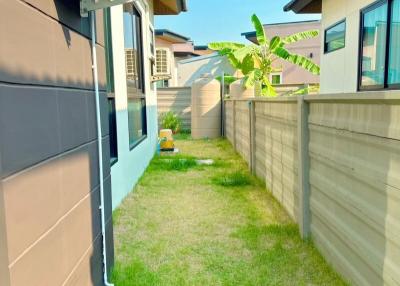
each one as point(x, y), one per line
point(385, 85)
point(140, 92)
point(113, 135)
point(112, 115)
point(274, 74)
point(331, 27)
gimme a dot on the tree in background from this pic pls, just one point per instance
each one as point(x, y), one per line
point(255, 61)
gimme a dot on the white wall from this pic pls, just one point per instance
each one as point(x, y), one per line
point(131, 164)
point(339, 69)
point(191, 69)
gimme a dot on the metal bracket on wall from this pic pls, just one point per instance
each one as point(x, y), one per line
point(92, 5)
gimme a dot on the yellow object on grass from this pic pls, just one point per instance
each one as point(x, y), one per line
point(166, 139)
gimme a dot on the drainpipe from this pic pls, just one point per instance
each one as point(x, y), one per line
point(100, 146)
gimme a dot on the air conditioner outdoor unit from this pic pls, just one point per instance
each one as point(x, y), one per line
point(92, 5)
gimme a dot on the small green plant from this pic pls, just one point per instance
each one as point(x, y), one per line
point(235, 179)
point(171, 120)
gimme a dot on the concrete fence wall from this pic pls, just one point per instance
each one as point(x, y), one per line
point(177, 100)
point(333, 161)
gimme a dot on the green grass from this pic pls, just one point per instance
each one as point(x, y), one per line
point(186, 224)
point(235, 179)
point(172, 163)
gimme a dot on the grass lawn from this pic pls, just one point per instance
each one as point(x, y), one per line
point(186, 224)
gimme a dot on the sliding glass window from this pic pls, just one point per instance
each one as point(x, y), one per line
point(137, 122)
point(380, 44)
point(112, 115)
point(394, 45)
point(335, 37)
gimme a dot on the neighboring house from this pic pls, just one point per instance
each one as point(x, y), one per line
point(54, 224)
point(213, 64)
point(170, 49)
point(202, 50)
point(361, 48)
point(287, 73)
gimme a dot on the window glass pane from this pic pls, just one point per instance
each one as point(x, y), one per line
point(113, 130)
point(152, 45)
point(137, 119)
point(276, 79)
point(394, 57)
point(109, 51)
point(335, 37)
point(133, 49)
point(162, 83)
point(374, 46)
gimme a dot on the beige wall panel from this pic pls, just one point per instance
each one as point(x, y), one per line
point(100, 28)
point(37, 198)
point(4, 273)
point(229, 120)
point(242, 129)
point(46, 53)
point(355, 188)
point(64, 11)
point(375, 119)
point(70, 51)
point(80, 228)
point(276, 151)
point(32, 205)
point(86, 272)
point(43, 264)
point(340, 255)
point(55, 255)
point(177, 100)
point(101, 66)
point(27, 55)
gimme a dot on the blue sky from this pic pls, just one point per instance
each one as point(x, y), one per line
point(224, 20)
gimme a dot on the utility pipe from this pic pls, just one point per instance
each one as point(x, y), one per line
point(100, 146)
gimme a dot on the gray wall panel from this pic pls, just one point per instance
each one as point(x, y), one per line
point(29, 130)
point(73, 118)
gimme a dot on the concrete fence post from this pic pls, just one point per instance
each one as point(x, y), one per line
point(303, 167)
point(234, 123)
point(252, 132)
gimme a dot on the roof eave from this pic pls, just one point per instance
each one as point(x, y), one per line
point(171, 36)
point(304, 6)
point(169, 7)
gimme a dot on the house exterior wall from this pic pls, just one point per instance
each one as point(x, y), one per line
point(191, 69)
point(339, 69)
point(160, 43)
point(50, 228)
point(131, 163)
point(292, 74)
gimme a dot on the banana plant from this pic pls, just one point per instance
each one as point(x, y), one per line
point(255, 61)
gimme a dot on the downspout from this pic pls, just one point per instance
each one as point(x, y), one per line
point(100, 146)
